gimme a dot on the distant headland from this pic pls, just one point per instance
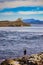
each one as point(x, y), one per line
point(17, 23)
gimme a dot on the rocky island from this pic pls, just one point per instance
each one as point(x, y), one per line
point(34, 59)
point(17, 23)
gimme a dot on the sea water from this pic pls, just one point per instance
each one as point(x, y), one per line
point(13, 41)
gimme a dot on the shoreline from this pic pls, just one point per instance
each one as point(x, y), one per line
point(35, 59)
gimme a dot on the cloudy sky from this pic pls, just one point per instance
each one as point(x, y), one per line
point(24, 9)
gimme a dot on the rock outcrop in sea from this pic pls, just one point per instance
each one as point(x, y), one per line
point(17, 23)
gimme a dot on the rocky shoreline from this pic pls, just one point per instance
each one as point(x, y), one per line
point(34, 59)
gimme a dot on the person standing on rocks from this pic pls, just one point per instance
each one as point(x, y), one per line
point(24, 51)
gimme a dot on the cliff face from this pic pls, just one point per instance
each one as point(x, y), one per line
point(13, 23)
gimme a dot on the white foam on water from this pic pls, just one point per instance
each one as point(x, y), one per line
point(22, 29)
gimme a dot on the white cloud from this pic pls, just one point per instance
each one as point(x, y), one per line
point(22, 13)
point(7, 13)
point(30, 12)
point(20, 0)
point(13, 4)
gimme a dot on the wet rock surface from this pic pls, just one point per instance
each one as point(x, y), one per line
point(34, 59)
